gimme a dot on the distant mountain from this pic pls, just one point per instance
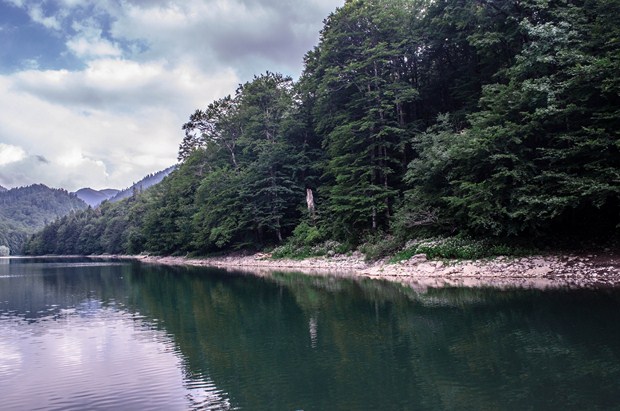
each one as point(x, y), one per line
point(2, 189)
point(148, 181)
point(95, 197)
point(26, 210)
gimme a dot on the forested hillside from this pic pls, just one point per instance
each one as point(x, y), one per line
point(26, 210)
point(147, 182)
point(493, 119)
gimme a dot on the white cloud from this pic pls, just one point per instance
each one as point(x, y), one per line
point(10, 154)
point(16, 3)
point(252, 36)
point(30, 64)
point(37, 15)
point(74, 3)
point(147, 65)
point(106, 126)
point(92, 47)
point(127, 86)
point(90, 43)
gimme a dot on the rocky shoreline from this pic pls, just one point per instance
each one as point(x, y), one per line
point(562, 270)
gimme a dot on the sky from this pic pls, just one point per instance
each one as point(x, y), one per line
point(93, 93)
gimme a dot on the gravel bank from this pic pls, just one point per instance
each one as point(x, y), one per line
point(591, 270)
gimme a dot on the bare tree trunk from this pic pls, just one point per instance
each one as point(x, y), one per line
point(310, 202)
point(278, 232)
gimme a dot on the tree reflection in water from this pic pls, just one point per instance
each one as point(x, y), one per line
point(292, 341)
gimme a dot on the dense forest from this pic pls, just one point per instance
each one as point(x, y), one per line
point(26, 210)
point(412, 118)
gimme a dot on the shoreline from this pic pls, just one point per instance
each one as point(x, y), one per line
point(541, 271)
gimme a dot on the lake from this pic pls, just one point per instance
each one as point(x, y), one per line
point(79, 334)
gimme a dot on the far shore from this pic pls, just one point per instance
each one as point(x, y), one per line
point(600, 269)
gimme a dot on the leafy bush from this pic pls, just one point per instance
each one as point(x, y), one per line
point(292, 251)
point(379, 246)
point(306, 235)
point(462, 248)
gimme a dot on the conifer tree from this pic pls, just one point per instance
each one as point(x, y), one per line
point(364, 83)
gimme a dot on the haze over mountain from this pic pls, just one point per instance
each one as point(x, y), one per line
point(26, 210)
point(2, 189)
point(148, 181)
point(95, 197)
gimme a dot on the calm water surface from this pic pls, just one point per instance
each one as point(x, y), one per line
point(83, 334)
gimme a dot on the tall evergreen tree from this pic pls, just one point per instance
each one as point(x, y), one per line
point(265, 103)
point(364, 83)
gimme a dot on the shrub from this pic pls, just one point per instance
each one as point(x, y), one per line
point(290, 250)
point(380, 246)
point(306, 235)
point(462, 248)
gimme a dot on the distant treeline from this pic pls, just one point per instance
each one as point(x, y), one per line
point(492, 118)
point(26, 210)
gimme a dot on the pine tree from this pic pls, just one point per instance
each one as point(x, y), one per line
point(364, 83)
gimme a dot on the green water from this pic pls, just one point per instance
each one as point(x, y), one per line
point(83, 334)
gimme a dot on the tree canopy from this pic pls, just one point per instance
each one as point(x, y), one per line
point(486, 118)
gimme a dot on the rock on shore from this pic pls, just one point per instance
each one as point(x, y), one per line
point(591, 270)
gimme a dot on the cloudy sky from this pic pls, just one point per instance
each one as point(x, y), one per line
point(93, 93)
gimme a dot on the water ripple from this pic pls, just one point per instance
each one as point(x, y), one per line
point(106, 360)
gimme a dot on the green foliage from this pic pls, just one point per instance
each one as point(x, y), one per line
point(412, 118)
point(541, 154)
point(253, 183)
point(328, 248)
point(422, 208)
point(25, 210)
point(379, 246)
point(115, 228)
point(307, 241)
point(462, 248)
point(364, 84)
point(290, 251)
point(306, 235)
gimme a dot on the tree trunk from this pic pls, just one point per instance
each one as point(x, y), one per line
point(278, 231)
point(310, 203)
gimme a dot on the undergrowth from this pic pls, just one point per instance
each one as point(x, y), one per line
point(299, 252)
point(308, 241)
point(461, 248)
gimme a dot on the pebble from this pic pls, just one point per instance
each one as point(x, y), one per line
point(533, 271)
